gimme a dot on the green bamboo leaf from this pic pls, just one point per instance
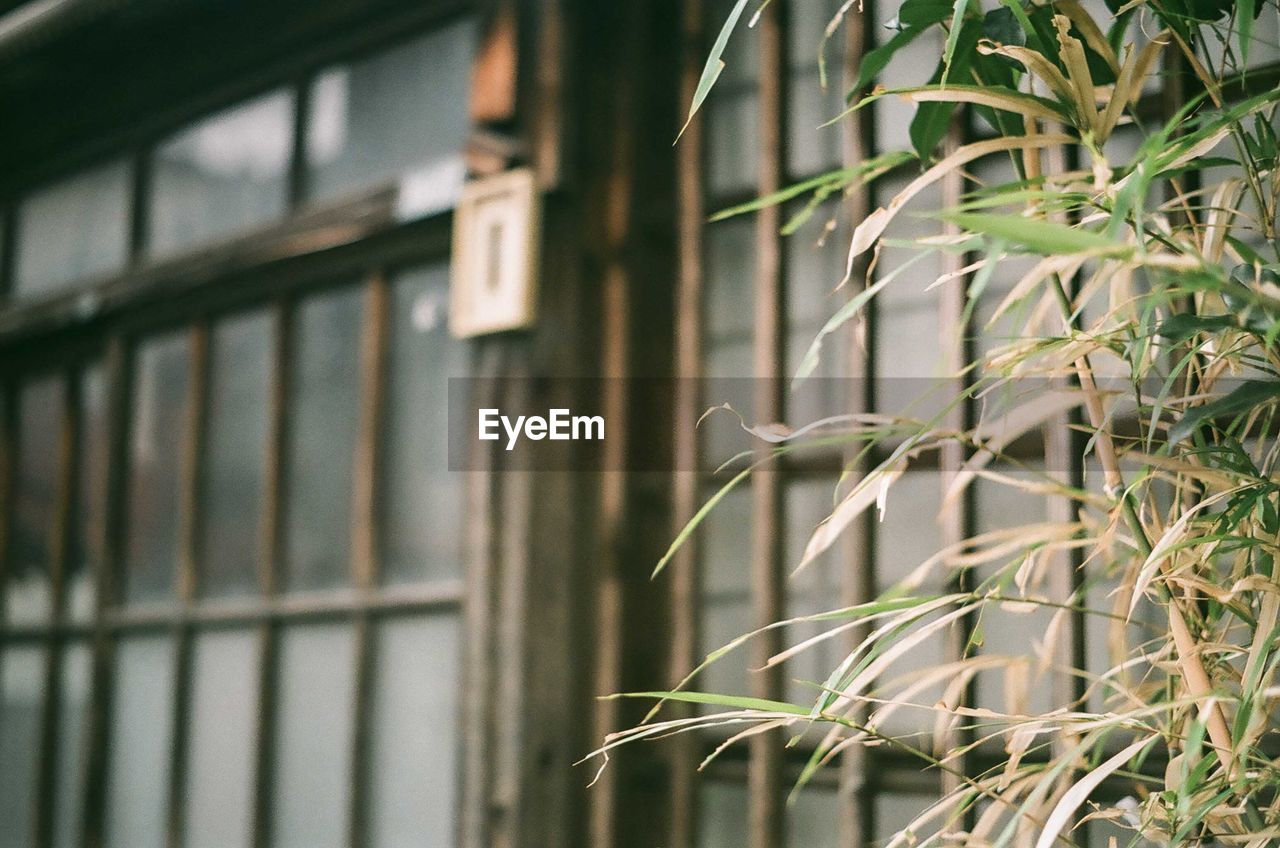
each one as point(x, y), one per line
point(1248, 395)
point(698, 518)
point(953, 37)
point(1043, 237)
point(715, 64)
point(736, 702)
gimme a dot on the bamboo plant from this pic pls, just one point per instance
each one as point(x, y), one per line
point(1149, 315)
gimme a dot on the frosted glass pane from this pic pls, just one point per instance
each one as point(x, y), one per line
point(726, 598)
point(40, 423)
point(404, 110)
point(914, 64)
point(160, 411)
point(894, 811)
point(326, 361)
point(77, 672)
point(21, 696)
point(422, 499)
point(909, 533)
point(73, 230)
point(224, 708)
point(141, 724)
point(1010, 632)
point(225, 175)
point(730, 279)
point(733, 140)
point(812, 146)
point(313, 741)
point(414, 769)
point(815, 589)
point(86, 530)
point(723, 815)
point(234, 474)
point(814, 820)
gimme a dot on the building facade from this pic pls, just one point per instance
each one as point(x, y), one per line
point(245, 600)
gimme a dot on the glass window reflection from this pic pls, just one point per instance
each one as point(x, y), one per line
point(73, 230)
point(402, 111)
point(224, 175)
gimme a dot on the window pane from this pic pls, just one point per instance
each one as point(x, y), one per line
point(35, 500)
point(414, 726)
point(313, 745)
point(814, 820)
point(226, 174)
point(224, 708)
point(73, 230)
point(155, 449)
point(422, 500)
point(733, 141)
point(403, 111)
point(816, 589)
point(86, 530)
point(77, 671)
point(726, 599)
point(235, 450)
point(894, 812)
point(723, 820)
point(326, 359)
point(141, 724)
point(21, 695)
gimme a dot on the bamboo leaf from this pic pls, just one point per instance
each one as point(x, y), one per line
point(715, 64)
point(1044, 237)
point(1079, 793)
point(1250, 394)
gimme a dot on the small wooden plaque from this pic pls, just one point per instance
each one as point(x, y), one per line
point(495, 247)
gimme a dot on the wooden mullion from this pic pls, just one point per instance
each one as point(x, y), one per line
point(8, 252)
point(686, 568)
point(956, 516)
point(299, 184)
point(364, 561)
point(858, 575)
point(59, 546)
point(765, 772)
point(112, 496)
point(188, 576)
point(270, 555)
point(8, 472)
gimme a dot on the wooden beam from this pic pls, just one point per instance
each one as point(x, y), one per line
point(767, 814)
point(685, 572)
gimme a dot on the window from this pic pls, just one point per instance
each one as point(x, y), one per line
point(400, 113)
point(395, 117)
point(225, 175)
point(73, 230)
point(232, 522)
point(765, 297)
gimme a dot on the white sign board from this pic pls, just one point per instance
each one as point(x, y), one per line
point(495, 241)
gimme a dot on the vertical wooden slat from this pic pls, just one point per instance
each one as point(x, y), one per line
point(299, 187)
point(8, 251)
point(58, 547)
point(364, 562)
point(270, 553)
point(478, 667)
point(8, 470)
point(140, 205)
point(858, 572)
point(685, 571)
point(955, 517)
point(187, 578)
point(765, 786)
point(118, 378)
point(615, 355)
